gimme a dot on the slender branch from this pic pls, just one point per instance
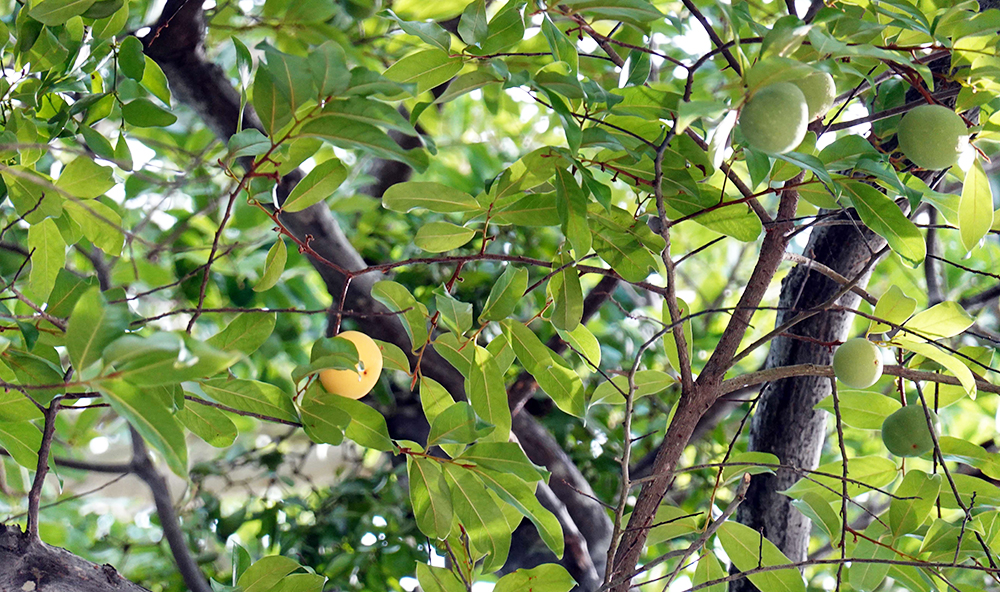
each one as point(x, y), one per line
point(42, 469)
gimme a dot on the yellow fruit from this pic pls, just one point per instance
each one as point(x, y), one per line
point(774, 119)
point(858, 363)
point(819, 90)
point(932, 136)
point(905, 432)
point(355, 384)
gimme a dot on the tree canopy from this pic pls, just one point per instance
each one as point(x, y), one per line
point(607, 250)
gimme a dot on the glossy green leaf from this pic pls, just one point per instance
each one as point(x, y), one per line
point(516, 492)
point(457, 424)
point(883, 216)
point(866, 577)
point(249, 142)
point(488, 395)
point(131, 60)
point(367, 426)
point(872, 471)
point(906, 515)
point(584, 342)
point(93, 325)
point(550, 577)
point(144, 113)
point(562, 47)
point(945, 319)
point(274, 266)
point(84, 178)
point(48, 256)
point(15, 406)
point(430, 497)
point(647, 382)
point(266, 573)
point(56, 12)
point(209, 424)
point(709, 569)
point(472, 25)
point(393, 358)
point(895, 307)
point(29, 193)
point(155, 81)
point(975, 209)
point(270, 105)
point(251, 396)
point(864, 410)
point(34, 370)
point(426, 69)
point(245, 333)
point(291, 77)
point(397, 298)
point(821, 513)
point(323, 420)
point(744, 463)
point(568, 294)
point(455, 315)
point(99, 223)
point(153, 422)
point(428, 32)
point(505, 294)
point(405, 197)
point(349, 133)
point(953, 364)
point(439, 237)
point(438, 579)
point(328, 68)
point(318, 185)
point(479, 514)
point(22, 440)
point(748, 549)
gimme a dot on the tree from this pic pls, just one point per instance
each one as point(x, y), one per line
point(567, 244)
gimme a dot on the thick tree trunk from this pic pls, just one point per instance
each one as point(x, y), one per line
point(785, 423)
point(27, 564)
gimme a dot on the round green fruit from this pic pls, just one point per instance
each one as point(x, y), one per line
point(905, 432)
point(932, 136)
point(819, 91)
point(774, 119)
point(858, 363)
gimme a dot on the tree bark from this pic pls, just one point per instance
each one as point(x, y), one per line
point(785, 423)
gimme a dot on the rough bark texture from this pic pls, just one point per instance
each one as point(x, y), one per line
point(785, 423)
point(27, 565)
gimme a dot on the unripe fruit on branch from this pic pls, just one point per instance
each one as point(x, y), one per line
point(932, 136)
point(858, 363)
point(905, 432)
point(774, 119)
point(819, 91)
point(355, 384)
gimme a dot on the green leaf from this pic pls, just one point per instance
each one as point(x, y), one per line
point(438, 579)
point(99, 223)
point(550, 577)
point(405, 197)
point(66, 291)
point(93, 326)
point(709, 569)
point(123, 155)
point(505, 294)
point(883, 216)
point(245, 333)
point(209, 424)
point(975, 209)
point(426, 69)
point(301, 582)
point(647, 382)
point(397, 298)
point(820, 512)
point(143, 113)
point(457, 424)
point(950, 362)
point(536, 209)
point(505, 30)
point(866, 577)
point(906, 515)
point(318, 185)
point(562, 47)
point(251, 396)
point(328, 67)
point(48, 256)
point(434, 398)
point(945, 319)
point(488, 395)
point(670, 346)
point(291, 77)
point(30, 195)
point(438, 237)
point(516, 492)
point(266, 573)
point(584, 342)
point(428, 32)
point(367, 426)
point(145, 361)
point(466, 83)
point(483, 521)
point(33, 370)
point(153, 422)
point(15, 406)
point(393, 358)
point(323, 420)
point(864, 410)
point(455, 349)
point(895, 307)
point(873, 471)
point(572, 206)
point(349, 133)
point(155, 81)
point(472, 25)
point(131, 60)
point(455, 315)
point(249, 142)
point(56, 12)
point(270, 105)
point(22, 440)
point(429, 496)
point(504, 457)
point(568, 294)
point(84, 178)
point(748, 549)
point(274, 265)
point(738, 468)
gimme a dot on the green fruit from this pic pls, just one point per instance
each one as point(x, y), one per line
point(905, 432)
point(774, 119)
point(932, 136)
point(858, 363)
point(819, 90)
